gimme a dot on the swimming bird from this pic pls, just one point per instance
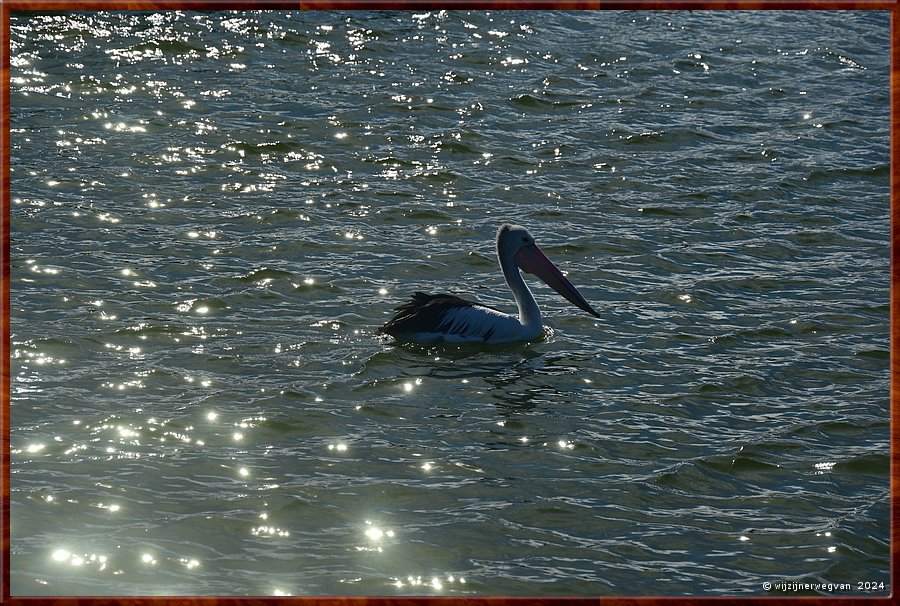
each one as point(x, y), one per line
point(446, 318)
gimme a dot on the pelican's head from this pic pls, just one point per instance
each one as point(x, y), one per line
point(516, 244)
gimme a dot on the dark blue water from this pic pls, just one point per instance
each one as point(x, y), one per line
point(213, 212)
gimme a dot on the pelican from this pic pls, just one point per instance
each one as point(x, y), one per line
point(445, 318)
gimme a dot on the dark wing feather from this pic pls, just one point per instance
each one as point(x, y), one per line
point(424, 313)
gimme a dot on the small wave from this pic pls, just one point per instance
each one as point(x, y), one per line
point(819, 176)
point(868, 464)
point(537, 103)
point(264, 273)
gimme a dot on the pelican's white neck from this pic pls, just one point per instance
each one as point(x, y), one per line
point(529, 313)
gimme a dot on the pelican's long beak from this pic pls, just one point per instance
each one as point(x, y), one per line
point(533, 261)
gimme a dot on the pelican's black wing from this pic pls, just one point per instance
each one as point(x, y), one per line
point(425, 313)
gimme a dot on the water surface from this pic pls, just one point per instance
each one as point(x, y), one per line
point(213, 212)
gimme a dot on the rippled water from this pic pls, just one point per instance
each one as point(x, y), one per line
point(213, 212)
